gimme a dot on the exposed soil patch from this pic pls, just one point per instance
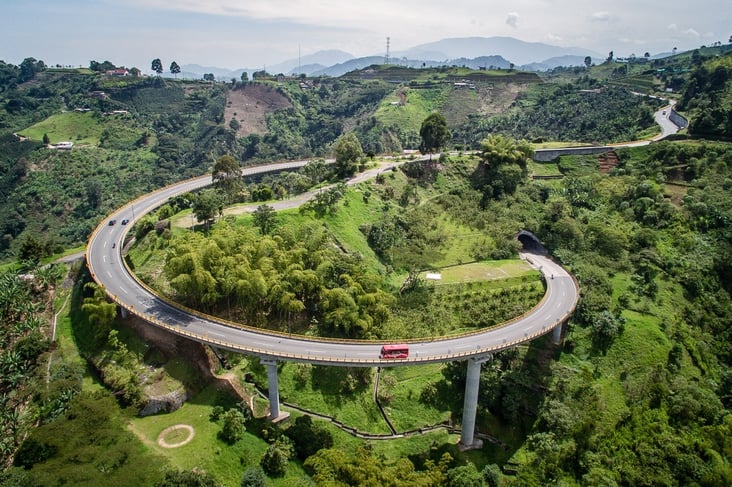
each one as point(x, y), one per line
point(250, 105)
point(176, 435)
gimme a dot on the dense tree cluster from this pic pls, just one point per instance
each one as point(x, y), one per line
point(292, 276)
point(707, 97)
point(503, 166)
point(23, 343)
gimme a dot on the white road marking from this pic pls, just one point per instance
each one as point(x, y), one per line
point(123, 290)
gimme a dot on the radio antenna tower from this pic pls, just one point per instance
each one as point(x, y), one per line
point(386, 59)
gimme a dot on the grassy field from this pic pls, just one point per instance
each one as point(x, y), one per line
point(80, 128)
point(327, 390)
point(486, 271)
point(149, 261)
point(403, 386)
point(418, 104)
point(205, 450)
point(67, 351)
point(544, 169)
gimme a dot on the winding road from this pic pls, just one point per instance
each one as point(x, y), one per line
point(107, 266)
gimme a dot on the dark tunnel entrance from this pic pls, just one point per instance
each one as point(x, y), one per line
point(530, 242)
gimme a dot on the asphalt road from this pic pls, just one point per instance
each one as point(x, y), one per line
point(105, 262)
point(662, 119)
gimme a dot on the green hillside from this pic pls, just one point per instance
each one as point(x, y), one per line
point(134, 134)
point(81, 128)
point(638, 393)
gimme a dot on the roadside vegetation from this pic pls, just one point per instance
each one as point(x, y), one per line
point(637, 394)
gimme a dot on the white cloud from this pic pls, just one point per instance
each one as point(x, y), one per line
point(330, 13)
point(600, 17)
point(258, 31)
point(690, 32)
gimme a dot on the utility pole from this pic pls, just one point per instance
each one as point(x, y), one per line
point(386, 59)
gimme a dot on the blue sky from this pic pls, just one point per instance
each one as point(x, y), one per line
point(255, 33)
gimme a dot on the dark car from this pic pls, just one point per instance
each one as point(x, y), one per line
point(112, 222)
point(125, 221)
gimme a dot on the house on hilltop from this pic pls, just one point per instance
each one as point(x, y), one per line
point(117, 73)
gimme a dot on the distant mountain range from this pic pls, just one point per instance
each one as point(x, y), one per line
point(516, 51)
point(473, 52)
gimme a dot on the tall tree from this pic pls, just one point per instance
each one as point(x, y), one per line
point(588, 62)
point(254, 477)
point(100, 312)
point(275, 459)
point(347, 153)
point(434, 134)
point(226, 174)
point(206, 205)
point(157, 66)
point(174, 68)
point(265, 218)
point(244, 77)
point(233, 426)
point(504, 163)
point(29, 67)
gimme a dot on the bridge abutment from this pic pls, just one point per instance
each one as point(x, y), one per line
point(275, 414)
point(470, 406)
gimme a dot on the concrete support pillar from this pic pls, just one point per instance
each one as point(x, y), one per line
point(123, 312)
point(470, 406)
point(275, 414)
point(273, 386)
point(557, 334)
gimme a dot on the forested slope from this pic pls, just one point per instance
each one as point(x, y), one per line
point(134, 134)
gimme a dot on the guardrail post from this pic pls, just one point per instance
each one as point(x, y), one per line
point(470, 405)
point(274, 393)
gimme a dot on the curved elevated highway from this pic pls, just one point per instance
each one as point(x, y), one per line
point(108, 269)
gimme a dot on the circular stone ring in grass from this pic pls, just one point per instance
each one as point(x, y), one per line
point(175, 436)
